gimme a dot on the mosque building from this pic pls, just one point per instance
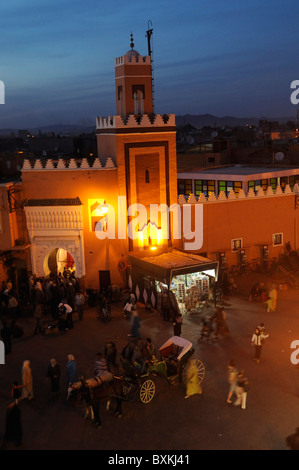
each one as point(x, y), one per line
point(117, 220)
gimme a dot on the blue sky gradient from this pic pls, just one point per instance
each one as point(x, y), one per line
point(223, 58)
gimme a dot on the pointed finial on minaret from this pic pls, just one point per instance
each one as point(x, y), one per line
point(132, 41)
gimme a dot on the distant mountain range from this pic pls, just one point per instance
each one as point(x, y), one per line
point(195, 120)
point(202, 120)
point(61, 129)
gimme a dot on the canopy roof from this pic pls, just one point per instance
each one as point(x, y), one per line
point(178, 341)
point(171, 263)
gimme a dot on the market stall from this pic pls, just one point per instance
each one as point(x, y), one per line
point(187, 276)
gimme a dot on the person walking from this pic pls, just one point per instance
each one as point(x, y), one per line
point(128, 310)
point(272, 300)
point(166, 306)
point(110, 354)
point(27, 381)
point(257, 341)
point(177, 325)
point(38, 308)
point(54, 373)
point(135, 325)
point(232, 380)
point(16, 391)
point(80, 302)
point(242, 390)
point(12, 306)
point(106, 309)
point(71, 370)
point(193, 386)
point(220, 319)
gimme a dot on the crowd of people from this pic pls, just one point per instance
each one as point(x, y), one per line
point(62, 295)
point(259, 293)
point(58, 295)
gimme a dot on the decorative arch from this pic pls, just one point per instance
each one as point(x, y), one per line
point(138, 102)
point(52, 224)
point(42, 249)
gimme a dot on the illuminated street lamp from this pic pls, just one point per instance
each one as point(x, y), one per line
point(104, 208)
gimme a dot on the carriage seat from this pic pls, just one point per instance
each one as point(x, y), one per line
point(170, 356)
point(171, 352)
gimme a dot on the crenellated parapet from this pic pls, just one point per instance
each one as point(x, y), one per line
point(241, 195)
point(132, 58)
point(68, 164)
point(135, 121)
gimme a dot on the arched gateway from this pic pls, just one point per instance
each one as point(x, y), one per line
point(53, 225)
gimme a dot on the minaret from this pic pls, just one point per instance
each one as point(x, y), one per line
point(141, 143)
point(133, 83)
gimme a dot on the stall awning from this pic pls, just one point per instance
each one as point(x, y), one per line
point(163, 267)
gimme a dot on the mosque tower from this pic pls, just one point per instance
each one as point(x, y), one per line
point(133, 83)
point(141, 143)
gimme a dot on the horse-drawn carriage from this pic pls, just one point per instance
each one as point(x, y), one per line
point(135, 385)
point(175, 354)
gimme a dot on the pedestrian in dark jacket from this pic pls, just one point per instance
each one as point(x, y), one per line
point(54, 373)
point(177, 325)
point(110, 354)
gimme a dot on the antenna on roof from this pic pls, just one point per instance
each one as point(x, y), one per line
point(148, 35)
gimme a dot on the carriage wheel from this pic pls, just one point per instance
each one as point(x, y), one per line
point(147, 391)
point(200, 371)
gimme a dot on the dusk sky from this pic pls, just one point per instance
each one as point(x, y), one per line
point(219, 57)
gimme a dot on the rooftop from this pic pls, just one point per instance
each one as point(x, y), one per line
point(165, 265)
point(53, 202)
point(176, 259)
point(243, 170)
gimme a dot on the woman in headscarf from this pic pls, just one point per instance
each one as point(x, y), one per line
point(272, 300)
point(27, 381)
point(193, 386)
